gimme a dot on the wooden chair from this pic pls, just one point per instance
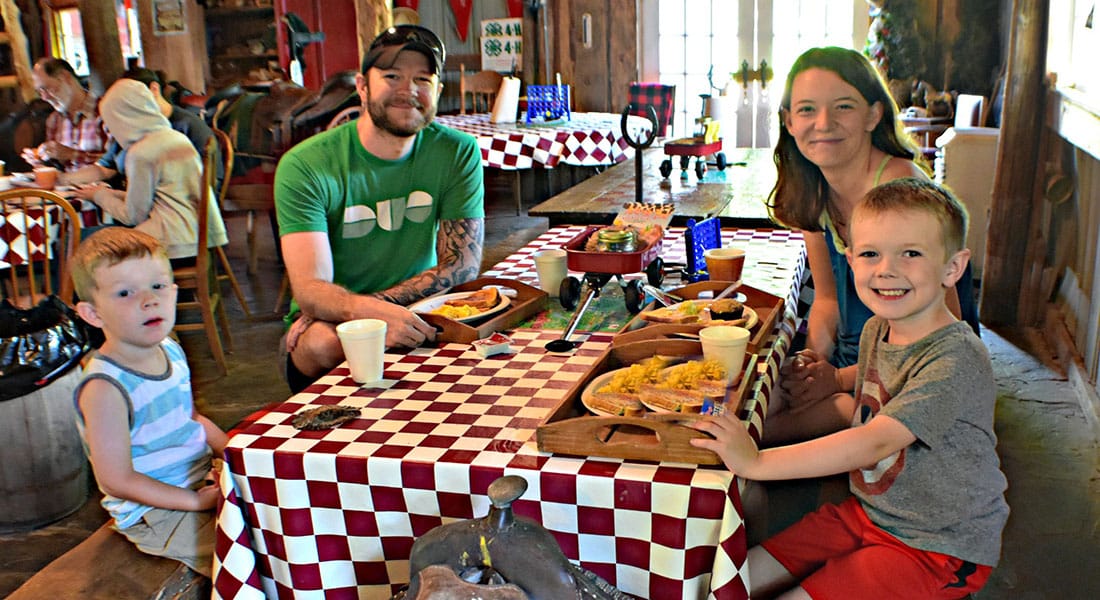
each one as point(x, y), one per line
point(483, 86)
point(969, 112)
point(226, 274)
point(40, 233)
point(348, 114)
point(248, 198)
point(200, 280)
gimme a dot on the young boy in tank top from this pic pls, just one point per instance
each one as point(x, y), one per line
point(150, 450)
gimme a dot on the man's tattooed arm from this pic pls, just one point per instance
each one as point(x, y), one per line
point(458, 252)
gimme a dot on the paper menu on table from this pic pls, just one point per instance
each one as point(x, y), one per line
point(641, 214)
point(506, 104)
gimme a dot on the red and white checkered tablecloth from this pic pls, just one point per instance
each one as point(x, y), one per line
point(334, 513)
point(23, 233)
point(586, 140)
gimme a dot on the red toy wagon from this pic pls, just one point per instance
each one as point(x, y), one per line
point(686, 148)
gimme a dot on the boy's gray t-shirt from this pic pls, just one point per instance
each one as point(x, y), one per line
point(944, 492)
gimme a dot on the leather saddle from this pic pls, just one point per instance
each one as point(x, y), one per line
point(268, 124)
point(335, 95)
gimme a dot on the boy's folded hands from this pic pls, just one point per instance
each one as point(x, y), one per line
point(809, 378)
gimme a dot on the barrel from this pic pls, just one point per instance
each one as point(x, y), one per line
point(43, 470)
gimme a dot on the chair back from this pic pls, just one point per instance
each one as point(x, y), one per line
point(39, 231)
point(202, 253)
point(225, 147)
point(969, 110)
point(200, 280)
point(483, 86)
point(658, 95)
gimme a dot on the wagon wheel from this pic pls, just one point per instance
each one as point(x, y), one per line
point(700, 167)
point(666, 168)
point(633, 294)
point(685, 162)
point(569, 292)
point(720, 161)
point(655, 272)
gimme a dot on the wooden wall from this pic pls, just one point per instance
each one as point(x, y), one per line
point(182, 56)
point(1068, 297)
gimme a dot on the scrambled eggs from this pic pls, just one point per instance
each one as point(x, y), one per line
point(456, 312)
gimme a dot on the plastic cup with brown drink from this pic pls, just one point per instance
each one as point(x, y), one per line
point(725, 264)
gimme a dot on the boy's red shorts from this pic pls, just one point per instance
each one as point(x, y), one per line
point(837, 552)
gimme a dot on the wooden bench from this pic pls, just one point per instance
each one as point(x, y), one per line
point(106, 566)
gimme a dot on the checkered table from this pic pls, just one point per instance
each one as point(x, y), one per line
point(775, 262)
point(586, 140)
point(334, 513)
point(23, 233)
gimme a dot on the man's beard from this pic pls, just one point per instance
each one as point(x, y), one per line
point(377, 112)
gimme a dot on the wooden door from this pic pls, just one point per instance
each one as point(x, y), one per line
point(602, 47)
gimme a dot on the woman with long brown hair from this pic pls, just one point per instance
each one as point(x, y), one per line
point(839, 137)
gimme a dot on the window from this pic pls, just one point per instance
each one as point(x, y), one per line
point(67, 36)
point(1074, 33)
point(695, 38)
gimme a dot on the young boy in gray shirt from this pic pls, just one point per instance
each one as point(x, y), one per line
point(928, 507)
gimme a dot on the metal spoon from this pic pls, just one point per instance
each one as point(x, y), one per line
point(563, 344)
point(660, 295)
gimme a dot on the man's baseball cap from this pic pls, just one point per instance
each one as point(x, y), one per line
point(385, 48)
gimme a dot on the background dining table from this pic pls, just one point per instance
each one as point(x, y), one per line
point(584, 140)
point(334, 513)
point(737, 195)
point(17, 235)
point(543, 159)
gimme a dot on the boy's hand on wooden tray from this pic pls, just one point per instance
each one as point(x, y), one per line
point(732, 442)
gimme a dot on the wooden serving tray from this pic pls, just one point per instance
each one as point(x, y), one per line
point(528, 302)
point(768, 308)
point(571, 429)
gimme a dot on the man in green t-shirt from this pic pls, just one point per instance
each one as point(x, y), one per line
point(380, 212)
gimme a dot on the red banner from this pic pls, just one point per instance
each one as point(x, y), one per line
point(462, 10)
point(406, 3)
point(515, 8)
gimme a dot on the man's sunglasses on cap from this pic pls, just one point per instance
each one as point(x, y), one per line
point(385, 48)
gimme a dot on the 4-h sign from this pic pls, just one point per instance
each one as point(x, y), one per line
point(502, 45)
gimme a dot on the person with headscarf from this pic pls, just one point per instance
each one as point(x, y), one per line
point(163, 173)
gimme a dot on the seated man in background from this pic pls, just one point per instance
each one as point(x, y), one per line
point(113, 162)
point(379, 212)
point(75, 136)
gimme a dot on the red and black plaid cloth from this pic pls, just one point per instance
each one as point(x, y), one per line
point(658, 95)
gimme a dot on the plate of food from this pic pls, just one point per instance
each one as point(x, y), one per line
point(655, 385)
point(725, 311)
point(464, 307)
point(605, 403)
point(684, 388)
point(615, 393)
